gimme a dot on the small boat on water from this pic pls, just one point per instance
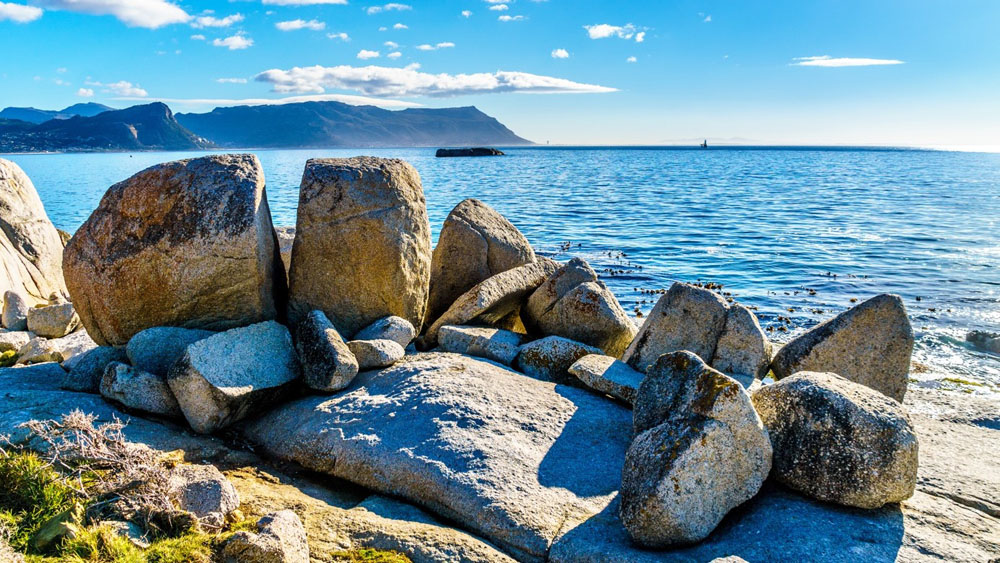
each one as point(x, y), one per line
point(704, 144)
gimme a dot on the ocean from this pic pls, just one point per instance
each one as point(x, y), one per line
point(798, 233)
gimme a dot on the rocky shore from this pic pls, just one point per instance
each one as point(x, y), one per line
point(474, 401)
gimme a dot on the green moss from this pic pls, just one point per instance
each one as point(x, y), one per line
point(960, 381)
point(369, 555)
point(31, 494)
point(189, 548)
point(8, 359)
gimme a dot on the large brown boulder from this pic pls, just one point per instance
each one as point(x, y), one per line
point(30, 247)
point(475, 243)
point(362, 246)
point(186, 243)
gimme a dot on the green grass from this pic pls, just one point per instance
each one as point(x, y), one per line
point(30, 494)
point(192, 547)
point(369, 555)
point(960, 381)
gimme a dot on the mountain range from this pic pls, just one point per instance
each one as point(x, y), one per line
point(298, 125)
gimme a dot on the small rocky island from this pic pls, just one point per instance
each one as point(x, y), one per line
point(296, 394)
point(474, 151)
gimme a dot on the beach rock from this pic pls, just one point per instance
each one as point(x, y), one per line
point(515, 459)
point(397, 329)
point(374, 354)
point(72, 345)
point(15, 311)
point(743, 348)
point(574, 304)
point(30, 247)
point(839, 441)
point(685, 318)
point(988, 341)
point(156, 349)
point(869, 344)
point(493, 299)
point(475, 243)
point(362, 243)
point(202, 490)
point(128, 530)
point(223, 378)
point(38, 350)
point(490, 343)
point(327, 363)
point(85, 370)
point(14, 339)
point(286, 238)
point(195, 233)
point(139, 390)
point(607, 375)
point(689, 417)
point(280, 538)
point(53, 321)
point(550, 358)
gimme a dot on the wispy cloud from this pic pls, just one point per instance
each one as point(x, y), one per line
point(394, 55)
point(220, 102)
point(19, 13)
point(85, 93)
point(828, 61)
point(400, 26)
point(631, 60)
point(231, 80)
point(340, 35)
point(499, 7)
point(391, 44)
point(708, 19)
point(466, 13)
point(150, 14)
point(212, 21)
point(234, 42)
point(198, 37)
point(408, 82)
point(435, 47)
point(120, 88)
point(604, 30)
point(506, 18)
point(560, 54)
point(302, 2)
point(392, 6)
point(363, 54)
point(293, 25)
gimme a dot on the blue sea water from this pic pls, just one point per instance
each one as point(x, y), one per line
point(769, 224)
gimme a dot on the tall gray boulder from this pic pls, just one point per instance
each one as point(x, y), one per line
point(869, 344)
point(742, 348)
point(30, 246)
point(475, 243)
point(362, 247)
point(327, 363)
point(186, 243)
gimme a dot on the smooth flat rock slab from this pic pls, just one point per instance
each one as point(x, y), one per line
point(605, 374)
point(510, 457)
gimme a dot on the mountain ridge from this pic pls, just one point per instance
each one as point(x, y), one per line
point(38, 116)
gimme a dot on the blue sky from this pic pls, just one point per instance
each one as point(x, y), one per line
point(625, 72)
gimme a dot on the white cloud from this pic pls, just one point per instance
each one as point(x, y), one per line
point(506, 18)
point(391, 44)
point(231, 80)
point(435, 47)
point(499, 7)
point(302, 2)
point(150, 14)
point(60, 82)
point(217, 102)
point(603, 31)
point(365, 54)
point(293, 25)
point(19, 12)
point(234, 42)
point(85, 93)
point(406, 82)
point(341, 36)
point(560, 54)
point(394, 55)
point(120, 88)
point(388, 8)
point(400, 26)
point(198, 37)
point(708, 19)
point(631, 60)
point(211, 21)
point(496, 1)
point(466, 13)
point(640, 37)
point(828, 61)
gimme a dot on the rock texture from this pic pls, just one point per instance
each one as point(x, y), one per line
point(513, 458)
point(195, 233)
point(839, 441)
point(869, 344)
point(157, 349)
point(40, 349)
point(30, 247)
point(550, 358)
point(138, 390)
point(475, 243)
point(988, 341)
point(84, 371)
point(743, 348)
point(362, 246)
point(607, 375)
point(483, 342)
point(700, 451)
point(374, 354)
point(14, 339)
point(574, 304)
point(492, 300)
point(202, 490)
point(15, 311)
point(54, 321)
point(280, 538)
point(327, 363)
point(225, 377)
point(685, 318)
point(397, 329)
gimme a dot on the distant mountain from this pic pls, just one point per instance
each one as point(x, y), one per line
point(33, 115)
point(145, 127)
point(335, 124)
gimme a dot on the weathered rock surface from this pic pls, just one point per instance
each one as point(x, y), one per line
point(514, 458)
point(988, 341)
point(15, 311)
point(38, 350)
point(397, 329)
point(375, 354)
point(158, 348)
point(574, 304)
point(607, 375)
point(743, 348)
point(14, 339)
point(685, 318)
point(475, 243)
point(195, 233)
point(286, 238)
point(327, 363)
point(53, 321)
point(225, 377)
point(869, 344)
point(202, 490)
point(839, 441)
point(280, 538)
point(550, 358)
point(362, 246)
point(30, 247)
point(84, 371)
point(139, 390)
point(493, 299)
point(55, 350)
point(484, 342)
point(700, 451)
